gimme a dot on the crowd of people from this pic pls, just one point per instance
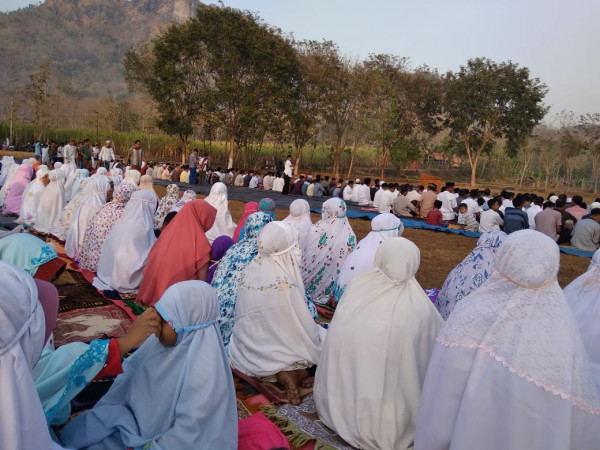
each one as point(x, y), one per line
point(499, 354)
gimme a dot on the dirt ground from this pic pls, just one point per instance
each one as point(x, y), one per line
point(440, 252)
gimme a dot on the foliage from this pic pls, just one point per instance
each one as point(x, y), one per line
point(403, 152)
point(486, 101)
point(40, 97)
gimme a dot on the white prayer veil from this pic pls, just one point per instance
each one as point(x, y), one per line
point(512, 350)
point(274, 330)
point(22, 328)
point(94, 196)
point(583, 295)
point(383, 227)
point(299, 218)
point(376, 353)
point(51, 204)
point(132, 176)
point(125, 251)
point(224, 225)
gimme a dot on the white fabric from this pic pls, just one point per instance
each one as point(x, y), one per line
point(73, 178)
point(94, 196)
point(7, 162)
point(147, 184)
point(583, 296)
point(448, 204)
point(347, 193)
point(509, 369)
point(289, 168)
point(278, 184)
point(374, 361)
point(274, 330)
point(22, 327)
point(171, 398)
point(132, 177)
point(377, 198)
point(299, 218)
point(31, 198)
point(106, 154)
point(364, 195)
point(69, 152)
point(69, 169)
point(383, 227)
point(224, 225)
point(490, 221)
point(12, 172)
point(356, 192)
point(330, 240)
point(386, 201)
point(532, 211)
point(52, 202)
point(127, 245)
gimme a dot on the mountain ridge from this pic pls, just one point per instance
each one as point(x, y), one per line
point(84, 39)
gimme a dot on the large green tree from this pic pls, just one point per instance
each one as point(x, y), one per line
point(486, 101)
point(253, 71)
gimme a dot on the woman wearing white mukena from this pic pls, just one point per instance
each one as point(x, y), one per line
point(509, 369)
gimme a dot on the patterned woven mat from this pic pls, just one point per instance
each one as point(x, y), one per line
point(85, 325)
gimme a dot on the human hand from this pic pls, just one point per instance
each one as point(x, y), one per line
point(149, 322)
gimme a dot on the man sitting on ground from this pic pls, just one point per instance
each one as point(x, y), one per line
point(515, 218)
point(402, 206)
point(549, 221)
point(586, 235)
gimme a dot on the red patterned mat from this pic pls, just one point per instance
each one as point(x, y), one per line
point(85, 325)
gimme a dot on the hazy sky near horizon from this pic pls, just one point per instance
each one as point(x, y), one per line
point(557, 40)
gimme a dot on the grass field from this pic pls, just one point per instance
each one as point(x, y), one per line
point(440, 252)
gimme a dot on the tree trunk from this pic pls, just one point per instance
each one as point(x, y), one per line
point(336, 158)
point(299, 151)
point(231, 151)
point(384, 161)
point(352, 158)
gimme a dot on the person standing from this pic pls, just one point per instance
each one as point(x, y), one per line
point(38, 150)
point(107, 155)
point(136, 155)
point(85, 153)
point(69, 152)
point(203, 165)
point(193, 165)
point(95, 152)
point(287, 175)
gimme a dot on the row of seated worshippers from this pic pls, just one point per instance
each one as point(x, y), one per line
point(510, 354)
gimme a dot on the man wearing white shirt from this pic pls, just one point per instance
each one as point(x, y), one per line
point(356, 191)
point(348, 190)
point(364, 193)
point(254, 182)
point(386, 199)
point(69, 151)
point(278, 183)
point(287, 175)
point(448, 202)
point(533, 211)
point(106, 155)
point(471, 202)
point(415, 194)
point(490, 219)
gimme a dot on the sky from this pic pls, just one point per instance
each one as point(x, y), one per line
point(558, 41)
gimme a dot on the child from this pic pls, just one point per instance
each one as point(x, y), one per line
point(176, 391)
point(466, 219)
point(435, 217)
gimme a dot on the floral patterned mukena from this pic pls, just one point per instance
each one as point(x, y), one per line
point(231, 268)
point(329, 242)
point(101, 224)
point(165, 205)
point(471, 273)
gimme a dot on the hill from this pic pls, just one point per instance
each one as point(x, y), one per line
point(84, 39)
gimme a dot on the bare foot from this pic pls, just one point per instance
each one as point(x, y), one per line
point(308, 382)
point(287, 380)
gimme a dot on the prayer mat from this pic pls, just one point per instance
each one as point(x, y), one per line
point(51, 270)
point(85, 325)
point(124, 301)
point(273, 391)
point(301, 424)
point(75, 293)
point(325, 311)
point(243, 412)
point(60, 251)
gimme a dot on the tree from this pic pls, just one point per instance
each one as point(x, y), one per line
point(253, 71)
point(305, 115)
point(486, 101)
point(173, 71)
point(40, 97)
point(403, 152)
point(400, 103)
point(571, 146)
point(589, 124)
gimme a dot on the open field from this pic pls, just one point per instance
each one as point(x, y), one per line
point(440, 252)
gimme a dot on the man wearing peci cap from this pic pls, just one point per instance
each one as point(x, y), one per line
point(107, 155)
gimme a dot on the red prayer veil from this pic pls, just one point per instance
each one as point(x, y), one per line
point(250, 208)
point(179, 252)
